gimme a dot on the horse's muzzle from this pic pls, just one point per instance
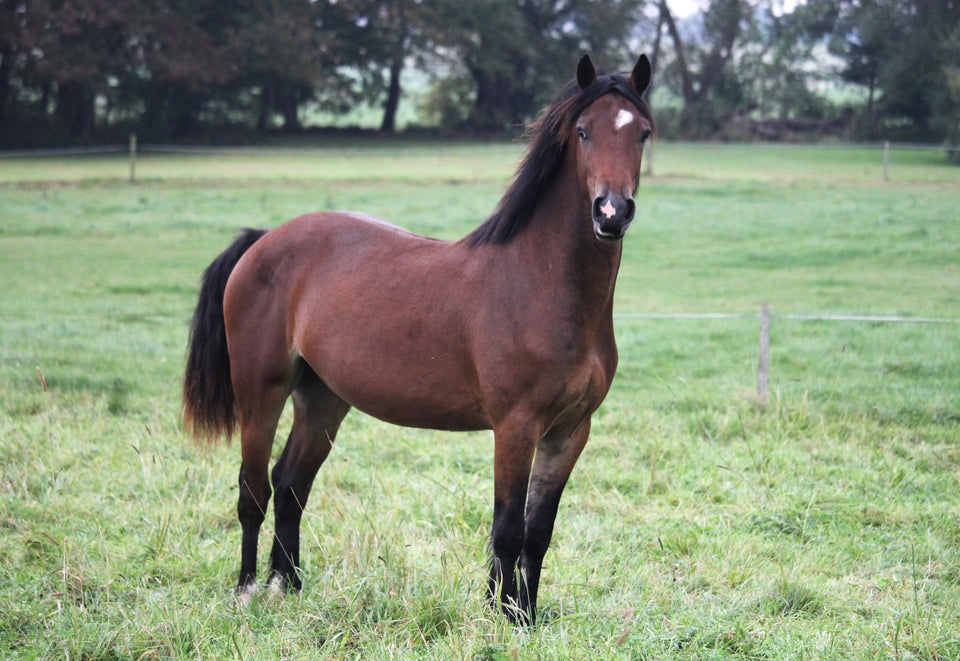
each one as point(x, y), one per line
point(612, 215)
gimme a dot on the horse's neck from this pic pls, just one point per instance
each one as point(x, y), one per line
point(559, 242)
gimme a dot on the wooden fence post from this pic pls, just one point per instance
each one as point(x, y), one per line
point(763, 366)
point(133, 158)
point(886, 160)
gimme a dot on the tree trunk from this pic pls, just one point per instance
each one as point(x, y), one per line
point(695, 92)
point(655, 57)
point(74, 112)
point(399, 28)
point(266, 106)
point(5, 71)
point(688, 91)
point(730, 13)
point(390, 106)
point(290, 109)
point(492, 113)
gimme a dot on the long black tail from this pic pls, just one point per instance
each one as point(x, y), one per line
point(209, 405)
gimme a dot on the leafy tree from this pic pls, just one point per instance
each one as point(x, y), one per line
point(903, 52)
point(400, 24)
point(285, 54)
point(337, 54)
point(700, 68)
point(178, 65)
point(516, 52)
point(74, 48)
point(946, 119)
point(778, 66)
point(865, 37)
point(13, 48)
point(60, 56)
point(81, 70)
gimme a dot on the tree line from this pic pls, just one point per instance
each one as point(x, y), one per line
point(76, 71)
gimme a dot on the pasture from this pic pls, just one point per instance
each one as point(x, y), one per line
point(698, 522)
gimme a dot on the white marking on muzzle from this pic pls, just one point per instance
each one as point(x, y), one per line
point(624, 117)
point(608, 209)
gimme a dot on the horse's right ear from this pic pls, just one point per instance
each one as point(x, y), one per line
point(640, 76)
point(586, 72)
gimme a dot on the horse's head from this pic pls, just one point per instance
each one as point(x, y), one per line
point(608, 136)
point(594, 130)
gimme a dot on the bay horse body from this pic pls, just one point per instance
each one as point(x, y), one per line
point(508, 329)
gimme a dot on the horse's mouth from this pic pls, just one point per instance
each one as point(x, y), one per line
point(609, 234)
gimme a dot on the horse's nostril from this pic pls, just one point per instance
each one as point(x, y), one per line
point(630, 210)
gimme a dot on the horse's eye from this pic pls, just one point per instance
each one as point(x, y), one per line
point(646, 136)
point(581, 133)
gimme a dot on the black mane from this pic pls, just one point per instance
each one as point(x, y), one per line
point(548, 138)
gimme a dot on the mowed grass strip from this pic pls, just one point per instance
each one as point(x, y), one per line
point(698, 523)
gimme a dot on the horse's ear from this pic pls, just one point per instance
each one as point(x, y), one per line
point(586, 72)
point(640, 76)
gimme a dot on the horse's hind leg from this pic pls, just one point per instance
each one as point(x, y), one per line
point(317, 414)
point(260, 410)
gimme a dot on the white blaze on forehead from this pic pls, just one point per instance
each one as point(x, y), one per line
point(624, 117)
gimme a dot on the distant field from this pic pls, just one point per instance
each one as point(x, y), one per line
point(698, 524)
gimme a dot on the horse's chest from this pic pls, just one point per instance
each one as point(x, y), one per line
point(573, 389)
point(590, 380)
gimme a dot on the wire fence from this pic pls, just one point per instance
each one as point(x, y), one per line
point(865, 318)
point(764, 318)
point(134, 150)
point(147, 148)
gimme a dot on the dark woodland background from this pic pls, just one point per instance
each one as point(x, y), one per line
point(76, 72)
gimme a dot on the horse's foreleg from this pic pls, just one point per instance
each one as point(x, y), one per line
point(513, 454)
point(555, 458)
point(317, 416)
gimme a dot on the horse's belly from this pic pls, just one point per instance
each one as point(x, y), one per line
point(389, 376)
point(394, 399)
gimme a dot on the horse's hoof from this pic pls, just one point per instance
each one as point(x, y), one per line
point(245, 593)
point(277, 587)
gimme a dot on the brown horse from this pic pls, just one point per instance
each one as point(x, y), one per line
point(508, 329)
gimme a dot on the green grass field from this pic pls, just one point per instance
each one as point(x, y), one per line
point(699, 524)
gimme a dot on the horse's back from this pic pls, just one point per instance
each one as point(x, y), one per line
point(323, 246)
point(375, 310)
point(344, 235)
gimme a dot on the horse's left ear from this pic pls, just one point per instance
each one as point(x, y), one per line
point(586, 72)
point(640, 76)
